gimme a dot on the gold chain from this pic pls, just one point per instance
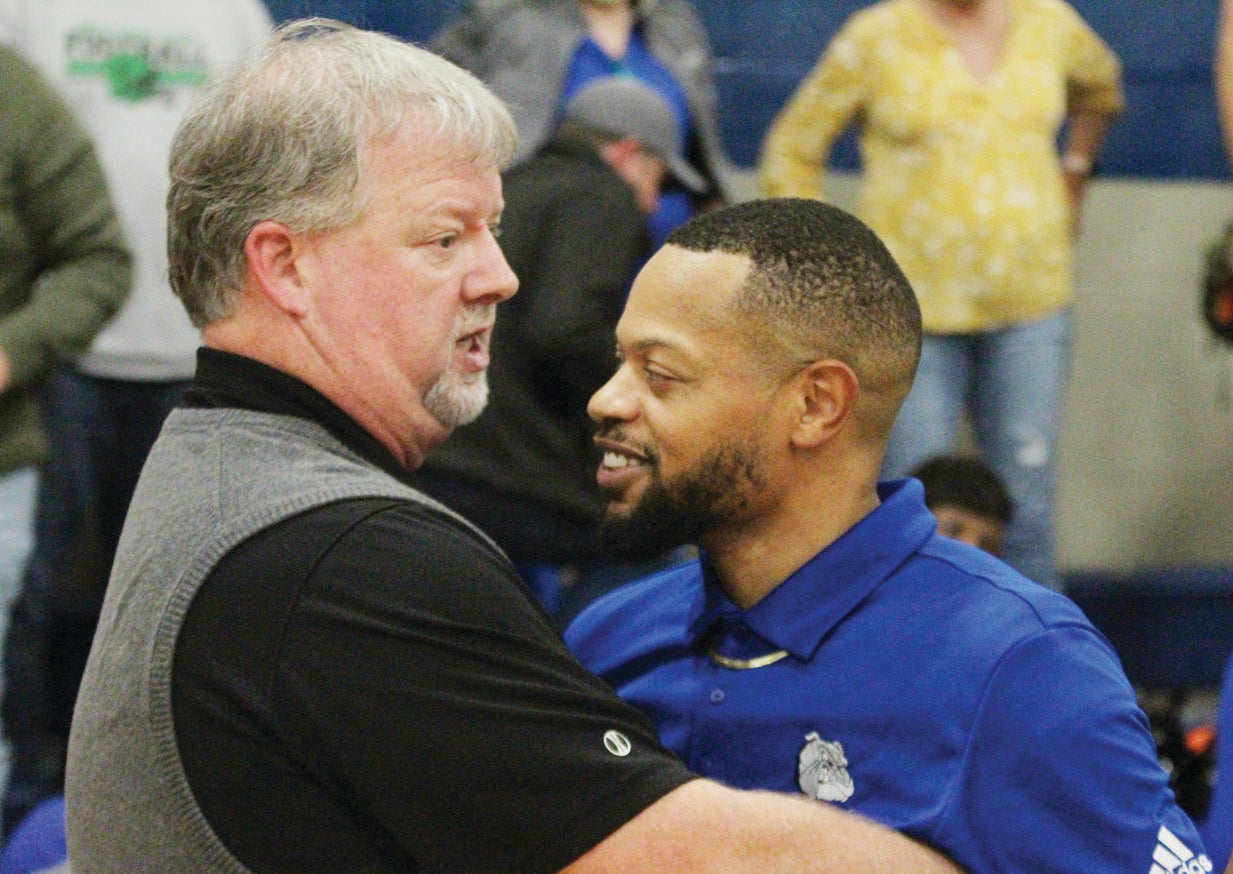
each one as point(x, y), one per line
point(746, 664)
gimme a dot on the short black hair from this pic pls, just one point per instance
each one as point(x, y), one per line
point(820, 280)
point(967, 483)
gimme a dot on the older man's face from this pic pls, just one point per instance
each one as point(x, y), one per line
point(405, 298)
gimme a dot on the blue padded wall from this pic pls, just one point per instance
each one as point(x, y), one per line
point(764, 47)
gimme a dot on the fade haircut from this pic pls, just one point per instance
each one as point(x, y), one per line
point(820, 285)
point(284, 137)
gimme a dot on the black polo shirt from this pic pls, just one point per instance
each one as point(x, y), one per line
point(369, 687)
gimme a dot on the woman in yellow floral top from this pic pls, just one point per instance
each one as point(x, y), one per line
point(959, 104)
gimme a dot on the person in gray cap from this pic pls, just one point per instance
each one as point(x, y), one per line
point(625, 109)
point(574, 232)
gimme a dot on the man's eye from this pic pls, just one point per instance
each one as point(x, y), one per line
point(447, 241)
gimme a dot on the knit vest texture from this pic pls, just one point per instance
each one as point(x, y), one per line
point(214, 478)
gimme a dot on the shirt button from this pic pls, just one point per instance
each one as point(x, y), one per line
point(717, 696)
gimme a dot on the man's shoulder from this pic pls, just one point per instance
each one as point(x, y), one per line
point(645, 613)
point(994, 599)
point(382, 553)
point(566, 165)
point(569, 183)
point(882, 14)
point(416, 530)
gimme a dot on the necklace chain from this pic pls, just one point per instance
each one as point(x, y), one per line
point(745, 664)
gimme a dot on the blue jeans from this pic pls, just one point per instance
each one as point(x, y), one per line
point(17, 491)
point(1011, 383)
point(99, 432)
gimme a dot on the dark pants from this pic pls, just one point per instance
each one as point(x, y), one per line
point(99, 431)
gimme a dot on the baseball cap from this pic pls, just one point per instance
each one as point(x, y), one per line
point(626, 107)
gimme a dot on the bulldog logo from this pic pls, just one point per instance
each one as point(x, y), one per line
point(822, 770)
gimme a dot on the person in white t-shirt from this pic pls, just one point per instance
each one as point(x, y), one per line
point(128, 68)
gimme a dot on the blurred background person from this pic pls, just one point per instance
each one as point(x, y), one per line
point(64, 270)
point(960, 103)
point(968, 499)
point(536, 54)
point(1224, 74)
point(128, 69)
point(574, 231)
point(1217, 827)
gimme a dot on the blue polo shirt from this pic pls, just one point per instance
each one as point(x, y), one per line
point(911, 678)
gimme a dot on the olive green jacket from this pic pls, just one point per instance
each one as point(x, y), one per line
point(64, 265)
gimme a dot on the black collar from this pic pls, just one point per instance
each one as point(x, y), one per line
point(224, 379)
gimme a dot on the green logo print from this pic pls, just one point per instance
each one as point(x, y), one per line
point(131, 77)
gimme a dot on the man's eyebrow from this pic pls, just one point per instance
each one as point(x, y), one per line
point(649, 344)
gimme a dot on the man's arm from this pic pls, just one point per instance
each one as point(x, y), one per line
point(703, 826)
point(1086, 133)
point(1224, 74)
point(62, 205)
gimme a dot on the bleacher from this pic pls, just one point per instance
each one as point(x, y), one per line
point(763, 48)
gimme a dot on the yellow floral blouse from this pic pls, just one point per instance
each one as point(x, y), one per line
point(961, 176)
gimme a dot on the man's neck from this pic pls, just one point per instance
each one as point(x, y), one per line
point(752, 560)
point(610, 25)
point(979, 29)
point(402, 425)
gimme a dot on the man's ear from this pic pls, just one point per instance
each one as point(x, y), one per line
point(272, 250)
point(827, 394)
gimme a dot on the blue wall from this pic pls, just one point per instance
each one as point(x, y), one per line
point(764, 47)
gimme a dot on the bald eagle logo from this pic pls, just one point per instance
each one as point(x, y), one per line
point(822, 770)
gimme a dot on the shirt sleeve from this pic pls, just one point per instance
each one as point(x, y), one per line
point(465, 39)
point(1062, 774)
point(799, 141)
point(256, 22)
point(496, 750)
point(1094, 74)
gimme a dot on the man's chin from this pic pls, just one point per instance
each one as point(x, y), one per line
point(640, 531)
point(454, 401)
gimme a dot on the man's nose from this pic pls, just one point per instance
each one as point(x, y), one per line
point(613, 400)
point(493, 280)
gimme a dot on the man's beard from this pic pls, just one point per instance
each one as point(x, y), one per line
point(670, 514)
point(456, 398)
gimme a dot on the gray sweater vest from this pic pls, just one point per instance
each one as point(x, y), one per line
point(214, 478)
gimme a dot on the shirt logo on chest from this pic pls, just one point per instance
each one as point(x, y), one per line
point(822, 770)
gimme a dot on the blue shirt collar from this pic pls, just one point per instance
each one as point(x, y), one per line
point(802, 610)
